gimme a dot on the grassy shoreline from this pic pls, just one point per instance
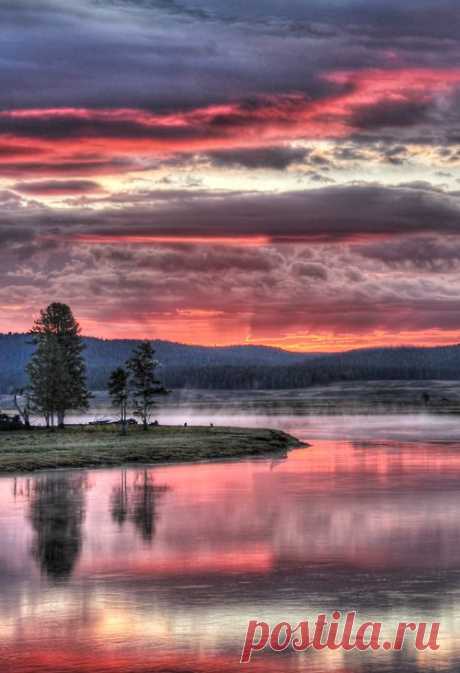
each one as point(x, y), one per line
point(104, 446)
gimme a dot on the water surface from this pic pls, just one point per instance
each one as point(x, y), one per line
point(160, 569)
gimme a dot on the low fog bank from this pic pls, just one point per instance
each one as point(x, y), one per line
point(399, 410)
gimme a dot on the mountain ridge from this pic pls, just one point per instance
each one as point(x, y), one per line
point(244, 366)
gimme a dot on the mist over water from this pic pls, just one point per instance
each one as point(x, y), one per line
point(413, 427)
point(416, 427)
point(391, 409)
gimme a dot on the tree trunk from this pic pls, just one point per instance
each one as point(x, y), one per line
point(23, 412)
point(123, 418)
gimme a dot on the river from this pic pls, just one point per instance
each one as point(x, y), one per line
point(161, 569)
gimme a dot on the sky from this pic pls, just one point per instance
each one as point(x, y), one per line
point(281, 172)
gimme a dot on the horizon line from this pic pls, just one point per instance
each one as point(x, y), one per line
point(248, 345)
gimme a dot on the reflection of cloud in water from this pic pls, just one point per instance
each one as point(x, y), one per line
point(365, 525)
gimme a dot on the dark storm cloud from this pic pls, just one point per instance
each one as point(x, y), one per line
point(398, 23)
point(49, 187)
point(396, 154)
point(19, 169)
point(422, 253)
point(99, 55)
point(197, 259)
point(330, 213)
point(12, 235)
point(70, 126)
point(122, 54)
point(324, 214)
point(9, 151)
point(168, 6)
point(382, 18)
point(275, 158)
point(390, 113)
point(311, 270)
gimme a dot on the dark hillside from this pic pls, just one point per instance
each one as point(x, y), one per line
point(103, 355)
point(245, 367)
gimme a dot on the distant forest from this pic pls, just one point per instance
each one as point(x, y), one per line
point(243, 367)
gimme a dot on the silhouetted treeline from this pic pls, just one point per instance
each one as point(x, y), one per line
point(102, 356)
point(244, 367)
point(442, 363)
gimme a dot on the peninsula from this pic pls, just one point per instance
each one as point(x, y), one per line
point(98, 446)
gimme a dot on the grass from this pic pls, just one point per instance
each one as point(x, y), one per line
point(94, 446)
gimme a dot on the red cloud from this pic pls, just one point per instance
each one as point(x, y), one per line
point(398, 98)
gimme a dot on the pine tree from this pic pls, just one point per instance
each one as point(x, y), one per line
point(57, 369)
point(43, 370)
point(119, 393)
point(144, 385)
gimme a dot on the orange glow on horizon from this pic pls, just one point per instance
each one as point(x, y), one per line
point(200, 330)
point(220, 328)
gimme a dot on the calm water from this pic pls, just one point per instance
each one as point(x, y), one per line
point(160, 569)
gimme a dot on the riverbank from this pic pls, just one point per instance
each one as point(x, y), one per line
point(97, 446)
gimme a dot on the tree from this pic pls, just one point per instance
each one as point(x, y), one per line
point(57, 370)
point(24, 410)
point(119, 393)
point(144, 385)
point(43, 370)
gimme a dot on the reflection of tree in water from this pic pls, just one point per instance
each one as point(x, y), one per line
point(119, 500)
point(57, 514)
point(138, 503)
point(144, 502)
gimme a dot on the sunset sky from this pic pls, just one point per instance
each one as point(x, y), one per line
point(283, 172)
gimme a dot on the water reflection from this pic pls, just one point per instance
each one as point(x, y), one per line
point(165, 566)
point(119, 500)
point(57, 510)
point(137, 502)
